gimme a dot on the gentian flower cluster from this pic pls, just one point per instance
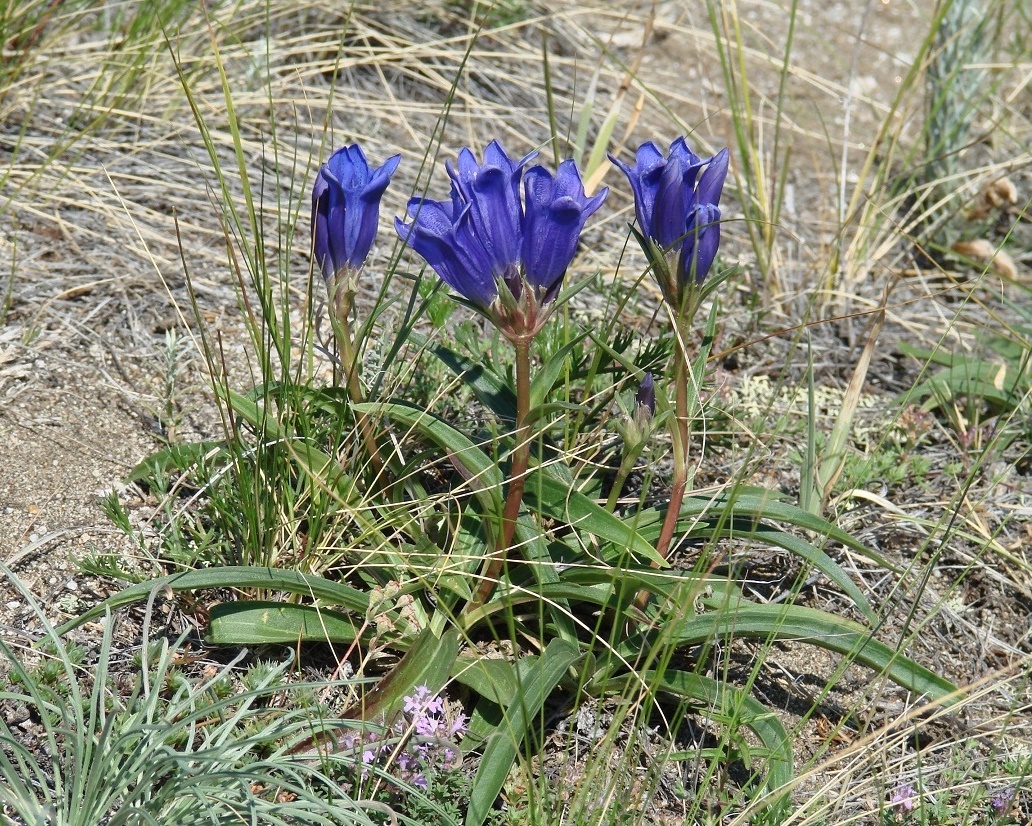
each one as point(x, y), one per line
point(676, 200)
point(423, 739)
point(506, 255)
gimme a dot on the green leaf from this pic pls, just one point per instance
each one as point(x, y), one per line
point(801, 624)
point(428, 662)
point(175, 459)
point(545, 378)
point(490, 389)
point(262, 622)
point(558, 500)
point(233, 577)
point(492, 678)
point(543, 568)
point(1001, 382)
point(669, 584)
point(756, 504)
point(769, 535)
point(545, 411)
point(483, 475)
point(537, 678)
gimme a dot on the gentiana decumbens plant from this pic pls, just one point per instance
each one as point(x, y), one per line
point(523, 545)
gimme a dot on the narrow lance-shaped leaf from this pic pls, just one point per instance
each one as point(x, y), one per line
point(537, 678)
point(262, 622)
point(813, 627)
point(236, 577)
point(557, 500)
point(549, 372)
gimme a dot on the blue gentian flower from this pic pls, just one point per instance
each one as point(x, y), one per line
point(346, 209)
point(676, 200)
point(506, 255)
point(645, 398)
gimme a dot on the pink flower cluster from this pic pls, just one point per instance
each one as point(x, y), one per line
point(425, 736)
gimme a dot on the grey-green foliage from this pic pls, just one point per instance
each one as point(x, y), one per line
point(957, 80)
point(154, 746)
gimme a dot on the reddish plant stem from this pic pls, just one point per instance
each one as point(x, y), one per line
point(679, 438)
point(517, 476)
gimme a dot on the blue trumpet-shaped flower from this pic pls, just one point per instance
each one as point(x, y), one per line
point(676, 200)
point(504, 254)
point(645, 399)
point(346, 209)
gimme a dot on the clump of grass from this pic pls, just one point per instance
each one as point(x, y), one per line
point(155, 745)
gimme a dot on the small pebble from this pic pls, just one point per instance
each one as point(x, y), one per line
point(72, 585)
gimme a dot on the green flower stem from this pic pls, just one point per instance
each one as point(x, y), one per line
point(679, 433)
point(630, 456)
point(341, 296)
point(517, 473)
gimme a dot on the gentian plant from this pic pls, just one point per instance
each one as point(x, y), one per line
point(507, 257)
point(345, 216)
point(676, 203)
point(477, 537)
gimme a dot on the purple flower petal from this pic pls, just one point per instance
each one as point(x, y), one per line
point(711, 182)
point(700, 244)
point(486, 238)
point(676, 202)
point(556, 211)
point(643, 177)
point(346, 208)
point(449, 249)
